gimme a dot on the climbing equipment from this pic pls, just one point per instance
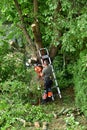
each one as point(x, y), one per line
point(44, 54)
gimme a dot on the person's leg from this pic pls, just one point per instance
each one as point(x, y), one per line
point(47, 95)
point(50, 95)
point(44, 96)
point(49, 91)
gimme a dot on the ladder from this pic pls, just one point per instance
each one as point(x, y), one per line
point(44, 54)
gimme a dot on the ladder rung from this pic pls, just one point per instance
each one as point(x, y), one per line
point(42, 49)
point(45, 56)
point(54, 87)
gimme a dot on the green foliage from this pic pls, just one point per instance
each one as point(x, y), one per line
point(69, 21)
point(75, 38)
point(46, 18)
point(80, 81)
point(8, 32)
point(12, 66)
point(36, 113)
point(4, 49)
point(15, 88)
point(63, 71)
point(18, 91)
point(9, 17)
point(61, 22)
point(72, 124)
point(15, 102)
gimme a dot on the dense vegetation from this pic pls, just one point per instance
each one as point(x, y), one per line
point(63, 23)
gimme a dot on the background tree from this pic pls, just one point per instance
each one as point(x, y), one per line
point(59, 25)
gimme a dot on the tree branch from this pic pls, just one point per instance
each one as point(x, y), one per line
point(22, 22)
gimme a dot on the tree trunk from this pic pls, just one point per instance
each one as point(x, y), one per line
point(36, 28)
point(54, 50)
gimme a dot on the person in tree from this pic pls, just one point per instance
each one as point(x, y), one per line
point(47, 76)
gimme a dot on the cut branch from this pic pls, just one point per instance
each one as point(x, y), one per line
point(37, 36)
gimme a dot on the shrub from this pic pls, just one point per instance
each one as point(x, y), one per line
point(80, 81)
point(63, 72)
point(16, 103)
point(72, 124)
point(12, 66)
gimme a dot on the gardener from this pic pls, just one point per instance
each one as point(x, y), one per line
point(47, 78)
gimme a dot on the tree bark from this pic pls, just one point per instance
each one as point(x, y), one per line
point(36, 28)
point(54, 50)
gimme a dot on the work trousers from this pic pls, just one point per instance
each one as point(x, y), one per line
point(47, 95)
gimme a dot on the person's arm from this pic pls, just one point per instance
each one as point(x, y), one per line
point(42, 73)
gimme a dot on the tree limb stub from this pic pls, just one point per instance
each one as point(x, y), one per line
point(37, 36)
